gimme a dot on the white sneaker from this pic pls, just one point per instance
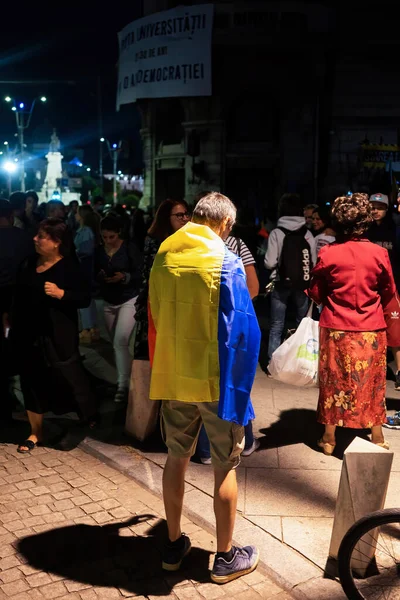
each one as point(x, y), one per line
point(121, 395)
point(205, 461)
point(255, 446)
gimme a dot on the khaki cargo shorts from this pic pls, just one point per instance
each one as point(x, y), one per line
point(181, 423)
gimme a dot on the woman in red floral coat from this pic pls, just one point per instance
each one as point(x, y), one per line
point(353, 282)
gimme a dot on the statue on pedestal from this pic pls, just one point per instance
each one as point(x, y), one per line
point(52, 185)
point(54, 142)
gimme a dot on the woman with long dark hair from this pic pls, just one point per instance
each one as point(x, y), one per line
point(87, 239)
point(44, 327)
point(171, 215)
point(118, 264)
point(322, 227)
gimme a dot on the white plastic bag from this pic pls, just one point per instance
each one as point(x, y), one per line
point(296, 360)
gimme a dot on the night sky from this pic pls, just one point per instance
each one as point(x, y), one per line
point(77, 42)
point(69, 43)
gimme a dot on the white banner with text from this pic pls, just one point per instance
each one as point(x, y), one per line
point(167, 54)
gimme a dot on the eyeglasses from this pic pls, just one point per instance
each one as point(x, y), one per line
point(181, 216)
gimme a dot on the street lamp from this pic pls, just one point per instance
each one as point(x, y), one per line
point(23, 116)
point(9, 165)
point(114, 150)
point(102, 140)
point(10, 168)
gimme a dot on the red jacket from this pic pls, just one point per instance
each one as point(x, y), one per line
point(352, 281)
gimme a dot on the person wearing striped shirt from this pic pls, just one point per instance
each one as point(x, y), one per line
point(237, 246)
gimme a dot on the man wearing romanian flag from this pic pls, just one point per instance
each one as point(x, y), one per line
point(204, 342)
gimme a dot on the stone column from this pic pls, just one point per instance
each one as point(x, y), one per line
point(363, 485)
point(147, 133)
point(210, 158)
point(203, 116)
point(148, 160)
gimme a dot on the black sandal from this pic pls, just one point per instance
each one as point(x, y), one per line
point(91, 422)
point(27, 444)
point(94, 422)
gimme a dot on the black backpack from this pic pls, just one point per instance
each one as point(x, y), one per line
point(295, 262)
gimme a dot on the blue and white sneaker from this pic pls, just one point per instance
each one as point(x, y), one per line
point(393, 422)
point(244, 561)
point(173, 556)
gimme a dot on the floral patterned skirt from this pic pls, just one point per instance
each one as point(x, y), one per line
point(352, 378)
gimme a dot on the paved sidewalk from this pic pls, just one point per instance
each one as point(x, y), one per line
point(287, 490)
point(73, 528)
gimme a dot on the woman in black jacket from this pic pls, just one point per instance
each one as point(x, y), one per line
point(171, 215)
point(118, 265)
point(44, 322)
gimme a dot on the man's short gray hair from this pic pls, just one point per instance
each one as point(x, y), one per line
point(213, 208)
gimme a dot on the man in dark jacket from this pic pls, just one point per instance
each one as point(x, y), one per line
point(383, 232)
point(15, 246)
point(383, 229)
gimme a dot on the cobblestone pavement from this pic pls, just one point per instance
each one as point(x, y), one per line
point(72, 527)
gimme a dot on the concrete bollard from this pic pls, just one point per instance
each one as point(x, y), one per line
point(363, 485)
point(142, 413)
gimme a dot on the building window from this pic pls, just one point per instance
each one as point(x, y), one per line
point(169, 118)
point(293, 21)
point(258, 19)
point(251, 119)
point(240, 19)
point(222, 20)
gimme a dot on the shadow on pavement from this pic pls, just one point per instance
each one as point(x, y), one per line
point(345, 436)
point(295, 426)
point(393, 404)
point(66, 433)
point(56, 431)
point(299, 426)
point(100, 556)
point(331, 569)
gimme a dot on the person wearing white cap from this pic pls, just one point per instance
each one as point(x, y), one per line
point(383, 233)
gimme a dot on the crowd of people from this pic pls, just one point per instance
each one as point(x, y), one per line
point(351, 272)
point(182, 285)
point(58, 259)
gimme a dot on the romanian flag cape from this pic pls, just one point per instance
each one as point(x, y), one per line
point(204, 337)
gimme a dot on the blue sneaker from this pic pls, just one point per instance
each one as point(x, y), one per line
point(244, 561)
point(393, 422)
point(173, 556)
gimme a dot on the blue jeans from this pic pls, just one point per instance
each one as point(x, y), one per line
point(89, 316)
point(279, 301)
point(203, 445)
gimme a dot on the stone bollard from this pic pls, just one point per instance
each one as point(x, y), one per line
point(363, 485)
point(142, 413)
